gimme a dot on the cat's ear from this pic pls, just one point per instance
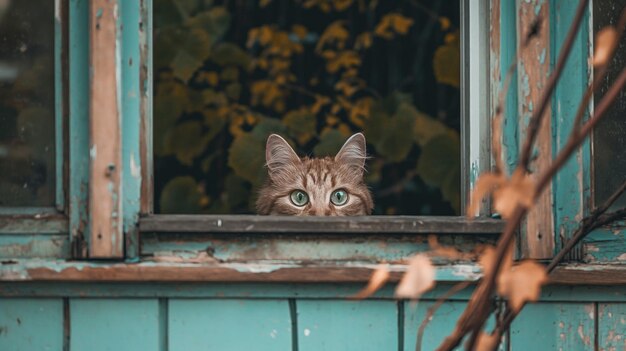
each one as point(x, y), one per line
point(353, 153)
point(279, 156)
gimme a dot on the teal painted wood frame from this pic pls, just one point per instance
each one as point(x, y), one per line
point(572, 183)
point(132, 37)
point(46, 233)
point(78, 126)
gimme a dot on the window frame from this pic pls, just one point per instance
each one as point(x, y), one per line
point(32, 231)
point(135, 87)
point(60, 124)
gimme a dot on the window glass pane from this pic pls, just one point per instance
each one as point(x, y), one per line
point(609, 138)
point(229, 73)
point(27, 153)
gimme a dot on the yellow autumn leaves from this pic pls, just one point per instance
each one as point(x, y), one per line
point(215, 91)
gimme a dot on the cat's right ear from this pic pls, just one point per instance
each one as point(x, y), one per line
point(279, 156)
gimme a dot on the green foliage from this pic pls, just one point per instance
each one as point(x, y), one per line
point(247, 154)
point(181, 195)
point(438, 166)
point(391, 129)
point(224, 85)
point(330, 142)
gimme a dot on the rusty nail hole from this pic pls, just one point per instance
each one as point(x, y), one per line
point(99, 236)
point(539, 235)
point(110, 169)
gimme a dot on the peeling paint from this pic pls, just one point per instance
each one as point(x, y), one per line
point(135, 169)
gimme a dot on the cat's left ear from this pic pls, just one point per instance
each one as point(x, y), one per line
point(353, 153)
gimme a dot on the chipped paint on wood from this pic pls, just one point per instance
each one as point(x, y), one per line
point(259, 271)
point(508, 51)
point(571, 190)
point(79, 126)
point(34, 246)
point(145, 77)
point(130, 24)
point(345, 247)
point(538, 241)
point(611, 326)
point(554, 326)
point(106, 168)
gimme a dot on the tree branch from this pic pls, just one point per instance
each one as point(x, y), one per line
point(535, 120)
point(596, 219)
point(431, 311)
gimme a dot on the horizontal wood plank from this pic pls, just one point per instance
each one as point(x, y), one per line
point(303, 225)
point(269, 272)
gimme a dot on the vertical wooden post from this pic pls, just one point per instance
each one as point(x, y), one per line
point(105, 206)
point(533, 69)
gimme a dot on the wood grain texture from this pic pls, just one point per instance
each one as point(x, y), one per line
point(326, 325)
point(211, 324)
point(268, 271)
point(303, 225)
point(114, 324)
point(554, 326)
point(31, 324)
point(533, 69)
point(611, 326)
point(105, 200)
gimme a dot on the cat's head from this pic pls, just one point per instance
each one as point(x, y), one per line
point(329, 186)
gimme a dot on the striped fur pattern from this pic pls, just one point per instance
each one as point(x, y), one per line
point(318, 178)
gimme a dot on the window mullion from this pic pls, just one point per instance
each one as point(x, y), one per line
point(105, 189)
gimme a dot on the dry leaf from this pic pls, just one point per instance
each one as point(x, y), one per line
point(520, 190)
point(486, 342)
point(522, 283)
point(487, 259)
point(485, 184)
point(377, 280)
point(419, 278)
point(507, 193)
point(605, 44)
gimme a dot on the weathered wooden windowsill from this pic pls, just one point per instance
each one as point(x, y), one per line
point(325, 225)
point(33, 270)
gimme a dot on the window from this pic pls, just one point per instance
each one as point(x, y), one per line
point(188, 91)
point(227, 74)
point(609, 138)
point(30, 124)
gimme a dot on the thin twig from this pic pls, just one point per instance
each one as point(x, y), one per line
point(432, 309)
point(599, 75)
point(577, 137)
point(596, 219)
point(535, 120)
point(477, 311)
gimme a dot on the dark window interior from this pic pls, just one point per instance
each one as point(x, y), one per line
point(229, 73)
point(609, 138)
point(27, 100)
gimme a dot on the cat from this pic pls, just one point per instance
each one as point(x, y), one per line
point(328, 186)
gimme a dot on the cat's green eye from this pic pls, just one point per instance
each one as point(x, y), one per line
point(339, 197)
point(299, 198)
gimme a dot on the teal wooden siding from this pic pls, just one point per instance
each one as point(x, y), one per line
point(225, 324)
point(189, 317)
point(31, 324)
point(347, 325)
point(555, 326)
